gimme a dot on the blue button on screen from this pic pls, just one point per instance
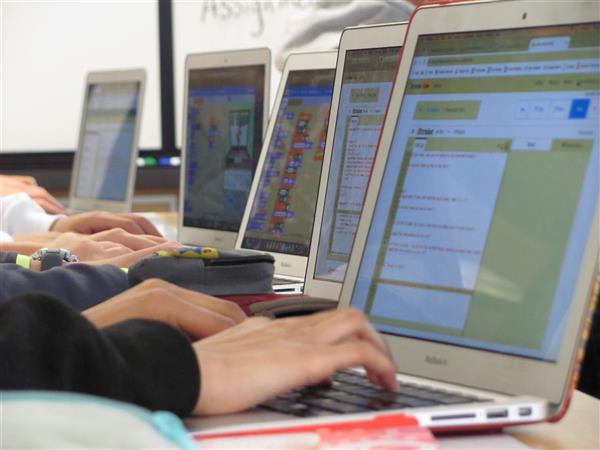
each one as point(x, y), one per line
point(579, 108)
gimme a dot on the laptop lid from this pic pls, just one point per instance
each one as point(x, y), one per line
point(367, 60)
point(478, 242)
point(226, 103)
point(279, 215)
point(104, 166)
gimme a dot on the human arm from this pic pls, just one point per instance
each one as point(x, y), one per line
point(145, 363)
point(95, 221)
point(80, 285)
point(12, 184)
point(195, 314)
point(116, 246)
point(19, 214)
point(274, 357)
point(47, 345)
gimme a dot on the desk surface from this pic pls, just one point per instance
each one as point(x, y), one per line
point(579, 429)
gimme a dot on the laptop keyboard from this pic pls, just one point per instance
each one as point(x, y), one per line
point(352, 392)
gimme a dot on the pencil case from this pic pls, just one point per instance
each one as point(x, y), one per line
point(209, 270)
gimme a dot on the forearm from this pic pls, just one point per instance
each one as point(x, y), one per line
point(41, 238)
point(80, 285)
point(21, 247)
point(47, 345)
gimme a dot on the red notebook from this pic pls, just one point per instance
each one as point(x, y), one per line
point(393, 431)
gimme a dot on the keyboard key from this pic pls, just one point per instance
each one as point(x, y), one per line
point(351, 392)
point(355, 389)
point(333, 405)
point(285, 406)
point(349, 398)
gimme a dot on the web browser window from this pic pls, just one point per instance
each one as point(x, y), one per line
point(109, 127)
point(489, 189)
point(364, 95)
point(224, 137)
point(283, 208)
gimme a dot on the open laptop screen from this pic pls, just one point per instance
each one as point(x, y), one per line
point(365, 90)
point(108, 133)
point(224, 137)
point(489, 189)
point(283, 208)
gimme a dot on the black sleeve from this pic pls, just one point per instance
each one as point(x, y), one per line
point(45, 344)
point(80, 285)
point(8, 257)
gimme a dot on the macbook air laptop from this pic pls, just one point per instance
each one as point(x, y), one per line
point(104, 166)
point(367, 61)
point(478, 245)
point(366, 66)
point(280, 211)
point(226, 103)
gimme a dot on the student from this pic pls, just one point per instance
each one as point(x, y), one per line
point(20, 215)
point(93, 247)
point(13, 184)
point(80, 285)
point(45, 344)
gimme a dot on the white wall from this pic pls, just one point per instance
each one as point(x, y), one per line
point(282, 25)
point(47, 49)
point(48, 46)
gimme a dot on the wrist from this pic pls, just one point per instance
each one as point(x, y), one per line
point(35, 266)
point(49, 258)
point(56, 224)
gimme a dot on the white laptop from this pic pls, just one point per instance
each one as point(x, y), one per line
point(280, 210)
point(226, 109)
point(478, 244)
point(367, 61)
point(366, 66)
point(104, 166)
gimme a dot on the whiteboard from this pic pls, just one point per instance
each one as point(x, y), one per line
point(281, 25)
point(47, 49)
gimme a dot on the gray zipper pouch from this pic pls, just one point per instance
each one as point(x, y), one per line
point(209, 270)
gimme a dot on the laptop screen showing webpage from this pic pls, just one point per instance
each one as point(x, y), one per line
point(283, 208)
point(224, 136)
point(488, 192)
point(364, 95)
point(109, 130)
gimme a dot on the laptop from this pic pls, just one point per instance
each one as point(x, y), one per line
point(366, 66)
point(226, 109)
point(280, 211)
point(478, 244)
point(367, 61)
point(104, 166)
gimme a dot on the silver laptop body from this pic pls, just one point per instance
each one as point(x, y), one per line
point(225, 113)
point(280, 210)
point(104, 166)
point(478, 244)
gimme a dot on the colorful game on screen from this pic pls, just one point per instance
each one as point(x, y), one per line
point(224, 114)
point(283, 209)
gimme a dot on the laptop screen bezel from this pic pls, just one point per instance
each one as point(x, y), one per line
point(285, 264)
point(216, 60)
point(482, 369)
point(77, 203)
point(356, 38)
